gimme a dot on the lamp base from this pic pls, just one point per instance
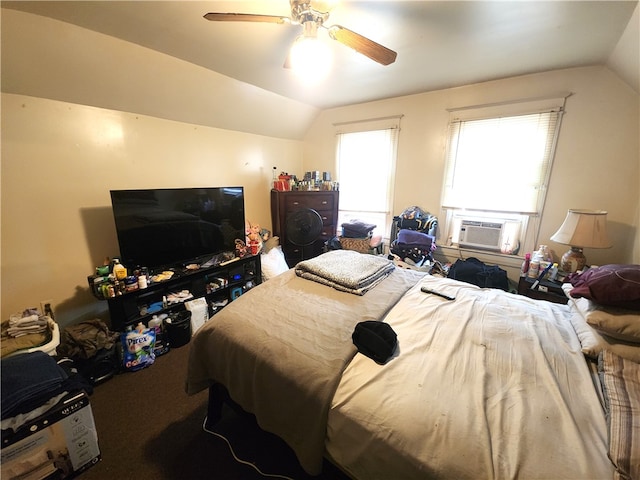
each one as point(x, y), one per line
point(573, 260)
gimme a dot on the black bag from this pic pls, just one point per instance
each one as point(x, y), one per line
point(92, 347)
point(84, 340)
point(376, 340)
point(101, 367)
point(476, 272)
point(415, 218)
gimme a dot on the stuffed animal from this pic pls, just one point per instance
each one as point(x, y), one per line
point(241, 248)
point(254, 238)
point(265, 234)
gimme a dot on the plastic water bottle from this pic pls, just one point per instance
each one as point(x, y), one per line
point(119, 270)
point(537, 260)
point(534, 265)
point(162, 345)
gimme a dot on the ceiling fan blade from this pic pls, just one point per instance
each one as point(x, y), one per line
point(363, 45)
point(246, 17)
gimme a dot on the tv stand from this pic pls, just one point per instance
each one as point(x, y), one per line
point(219, 280)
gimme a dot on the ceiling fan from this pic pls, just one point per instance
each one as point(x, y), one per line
point(312, 14)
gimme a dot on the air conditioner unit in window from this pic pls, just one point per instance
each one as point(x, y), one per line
point(481, 234)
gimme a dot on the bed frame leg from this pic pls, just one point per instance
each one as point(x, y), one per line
point(217, 396)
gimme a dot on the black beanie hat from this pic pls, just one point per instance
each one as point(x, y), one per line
point(376, 340)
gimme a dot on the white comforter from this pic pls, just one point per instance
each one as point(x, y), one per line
point(490, 385)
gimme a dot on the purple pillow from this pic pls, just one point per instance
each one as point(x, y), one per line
point(614, 285)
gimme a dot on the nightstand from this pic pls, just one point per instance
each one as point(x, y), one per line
point(547, 290)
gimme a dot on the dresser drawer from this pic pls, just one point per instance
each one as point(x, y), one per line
point(327, 216)
point(327, 232)
point(318, 201)
point(295, 253)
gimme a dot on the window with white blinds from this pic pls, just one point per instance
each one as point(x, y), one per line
point(498, 164)
point(365, 165)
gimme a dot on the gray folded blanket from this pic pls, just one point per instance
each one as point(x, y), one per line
point(346, 270)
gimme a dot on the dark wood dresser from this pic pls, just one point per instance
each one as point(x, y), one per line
point(284, 204)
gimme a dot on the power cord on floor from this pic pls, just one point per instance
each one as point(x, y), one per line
point(243, 462)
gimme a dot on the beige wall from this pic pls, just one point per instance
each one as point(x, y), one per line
point(597, 164)
point(59, 161)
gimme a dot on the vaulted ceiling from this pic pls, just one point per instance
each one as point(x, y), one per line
point(440, 44)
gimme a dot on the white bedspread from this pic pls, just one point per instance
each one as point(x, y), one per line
point(491, 385)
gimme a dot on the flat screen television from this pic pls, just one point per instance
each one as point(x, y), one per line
point(167, 226)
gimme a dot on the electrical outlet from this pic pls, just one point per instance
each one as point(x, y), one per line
point(43, 305)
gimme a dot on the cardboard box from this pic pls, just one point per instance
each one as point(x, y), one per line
point(281, 185)
point(59, 444)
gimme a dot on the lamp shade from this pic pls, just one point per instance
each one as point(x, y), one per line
point(584, 228)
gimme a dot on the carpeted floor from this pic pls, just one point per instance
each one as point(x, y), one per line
point(148, 428)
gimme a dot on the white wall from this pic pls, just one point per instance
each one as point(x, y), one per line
point(597, 163)
point(59, 161)
point(624, 58)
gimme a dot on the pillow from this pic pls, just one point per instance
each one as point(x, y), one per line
point(613, 285)
point(621, 388)
point(273, 263)
point(594, 342)
point(614, 322)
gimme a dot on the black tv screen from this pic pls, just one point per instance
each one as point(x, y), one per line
point(164, 227)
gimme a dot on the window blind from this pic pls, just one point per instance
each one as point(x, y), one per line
point(500, 164)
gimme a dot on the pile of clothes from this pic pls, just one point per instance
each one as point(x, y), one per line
point(31, 384)
point(358, 236)
point(26, 330)
point(415, 246)
point(357, 229)
point(29, 322)
point(413, 235)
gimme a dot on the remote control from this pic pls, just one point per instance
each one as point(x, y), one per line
point(427, 290)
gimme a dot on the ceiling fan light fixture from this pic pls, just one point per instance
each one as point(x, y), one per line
point(314, 62)
point(311, 59)
point(324, 6)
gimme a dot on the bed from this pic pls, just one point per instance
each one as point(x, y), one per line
point(488, 385)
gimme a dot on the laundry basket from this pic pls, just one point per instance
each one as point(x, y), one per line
point(49, 348)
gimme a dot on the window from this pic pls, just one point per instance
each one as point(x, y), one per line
point(365, 157)
point(497, 170)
